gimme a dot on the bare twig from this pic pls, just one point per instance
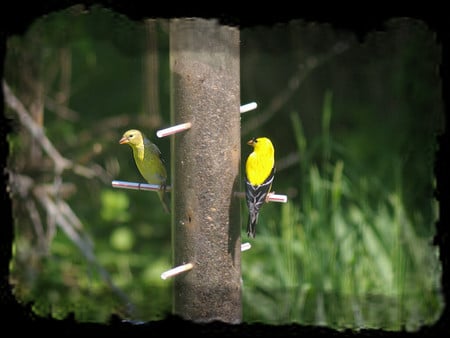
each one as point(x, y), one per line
point(61, 163)
point(50, 196)
point(61, 110)
point(294, 83)
point(36, 131)
point(37, 224)
point(287, 161)
point(66, 219)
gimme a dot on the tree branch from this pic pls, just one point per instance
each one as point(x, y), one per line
point(61, 163)
point(293, 84)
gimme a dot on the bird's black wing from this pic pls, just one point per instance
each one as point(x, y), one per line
point(256, 197)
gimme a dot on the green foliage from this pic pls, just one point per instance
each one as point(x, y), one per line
point(122, 239)
point(355, 263)
point(115, 206)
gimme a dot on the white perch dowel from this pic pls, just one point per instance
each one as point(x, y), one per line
point(247, 107)
point(177, 270)
point(174, 129)
point(245, 246)
point(277, 198)
point(272, 197)
point(137, 186)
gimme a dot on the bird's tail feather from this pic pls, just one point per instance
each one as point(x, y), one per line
point(251, 226)
point(164, 197)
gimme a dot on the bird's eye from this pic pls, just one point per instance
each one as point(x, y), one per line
point(254, 139)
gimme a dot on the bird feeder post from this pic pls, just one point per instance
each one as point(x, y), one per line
point(206, 227)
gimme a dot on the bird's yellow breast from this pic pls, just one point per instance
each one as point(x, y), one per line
point(260, 162)
point(257, 169)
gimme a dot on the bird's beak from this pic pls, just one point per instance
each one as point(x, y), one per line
point(123, 140)
point(251, 142)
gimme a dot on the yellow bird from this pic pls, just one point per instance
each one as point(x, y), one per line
point(259, 174)
point(148, 160)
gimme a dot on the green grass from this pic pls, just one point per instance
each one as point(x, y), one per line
point(346, 256)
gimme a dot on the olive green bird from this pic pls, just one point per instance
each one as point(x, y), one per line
point(149, 161)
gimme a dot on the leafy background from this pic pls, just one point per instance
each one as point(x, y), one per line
point(354, 122)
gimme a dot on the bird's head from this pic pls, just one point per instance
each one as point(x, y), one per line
point(260, 143)
point(131, 137)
